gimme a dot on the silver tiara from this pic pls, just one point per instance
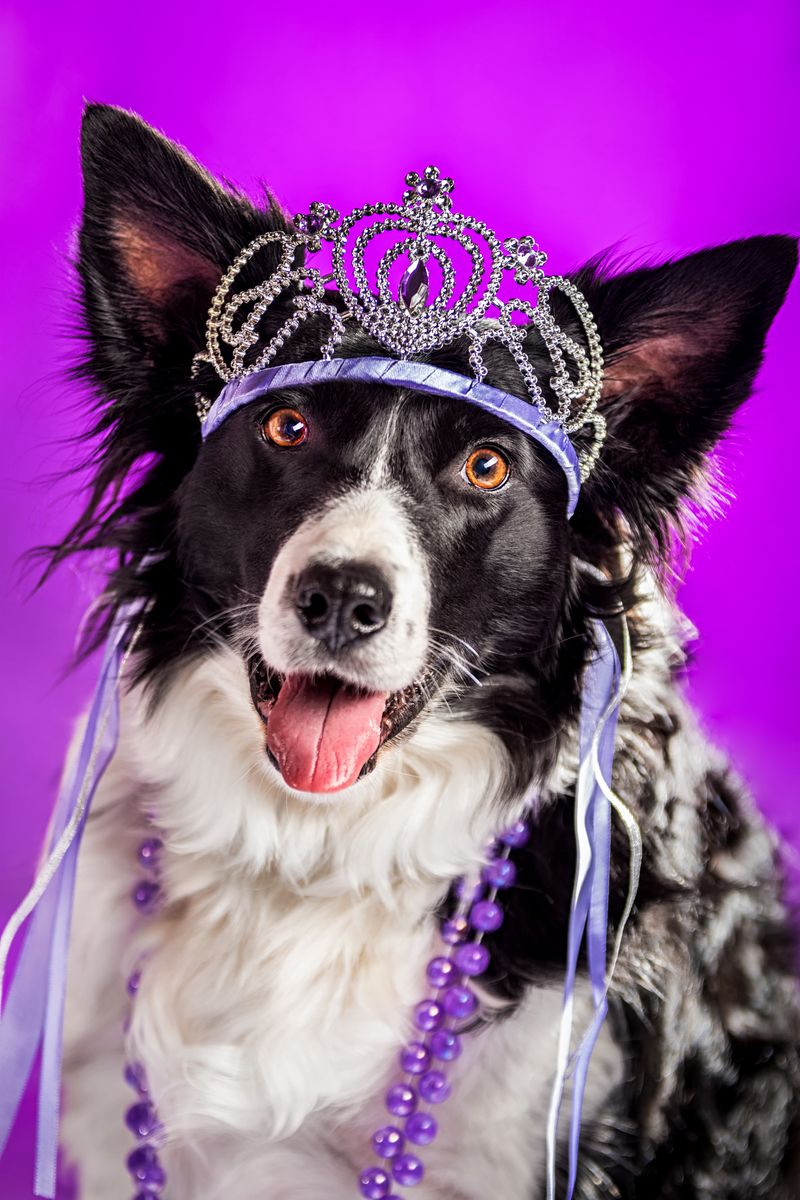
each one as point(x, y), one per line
point(411, 300)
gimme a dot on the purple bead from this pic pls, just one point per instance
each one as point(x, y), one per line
point(156, 1177)
point(149, 852)
point(429, 188)
point(145, 1168)
point(401, 1100)
point(142, 1119)
point(445, 1045)
point(454, 930)
point(146, 895)
point(143, 1156)
point(374, 1183)
point(459, 1002)
point(440, 972)
point(421, 1128)
point(133, 983)
point(388, 1142)
point(472, 958)
point(415, 1058)
point(135, 1077)
point(486, 916)
point(434, 1087)
point(408, 1170)
point(500, 874)
point(516, 834)
point(428, 1015)
point(148, 1195)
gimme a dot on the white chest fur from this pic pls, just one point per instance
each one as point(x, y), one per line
point(280, 977)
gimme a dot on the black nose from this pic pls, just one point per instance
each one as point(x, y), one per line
point(341, 605)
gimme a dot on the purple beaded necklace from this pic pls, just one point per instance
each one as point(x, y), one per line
point(141, 1118)
point(439, 1019)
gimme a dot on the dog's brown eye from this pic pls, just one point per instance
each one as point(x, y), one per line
point(285, 427)
point(486, 468)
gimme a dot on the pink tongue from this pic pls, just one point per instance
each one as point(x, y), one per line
point(322, 732)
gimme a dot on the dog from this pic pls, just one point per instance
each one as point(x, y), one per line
point(327, 551)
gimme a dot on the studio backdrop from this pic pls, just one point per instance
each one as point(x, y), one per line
point(649, 130)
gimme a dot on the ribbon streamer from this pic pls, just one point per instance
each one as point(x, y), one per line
point(604, 686)
point(34, 1009)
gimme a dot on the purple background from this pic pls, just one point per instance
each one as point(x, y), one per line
point(587, 125)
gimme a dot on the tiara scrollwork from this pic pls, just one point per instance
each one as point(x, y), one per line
point(436, 280)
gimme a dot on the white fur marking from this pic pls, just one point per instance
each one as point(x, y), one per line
point(369, 525)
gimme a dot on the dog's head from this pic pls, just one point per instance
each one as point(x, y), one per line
point(374, 554)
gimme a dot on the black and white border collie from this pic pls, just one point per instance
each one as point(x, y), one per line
point(303, 880)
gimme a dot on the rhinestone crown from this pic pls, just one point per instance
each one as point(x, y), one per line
point(412, 314)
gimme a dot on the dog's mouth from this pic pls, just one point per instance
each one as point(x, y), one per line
point(323, 734)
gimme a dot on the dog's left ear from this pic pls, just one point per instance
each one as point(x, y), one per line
point(157, 234)
point(682, 344)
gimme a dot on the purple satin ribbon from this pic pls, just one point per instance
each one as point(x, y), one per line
point(34, 1009)
point(419, 377)
point(589, 906)
point(600, 685)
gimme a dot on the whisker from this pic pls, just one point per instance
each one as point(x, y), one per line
point(455, 660)
point(456, 638)
point(224, 614)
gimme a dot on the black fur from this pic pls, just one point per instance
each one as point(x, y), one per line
point(712, 1115)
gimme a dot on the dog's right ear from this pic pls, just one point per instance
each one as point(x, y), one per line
point(157, 234)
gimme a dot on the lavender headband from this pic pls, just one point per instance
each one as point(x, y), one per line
point(419, 377)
